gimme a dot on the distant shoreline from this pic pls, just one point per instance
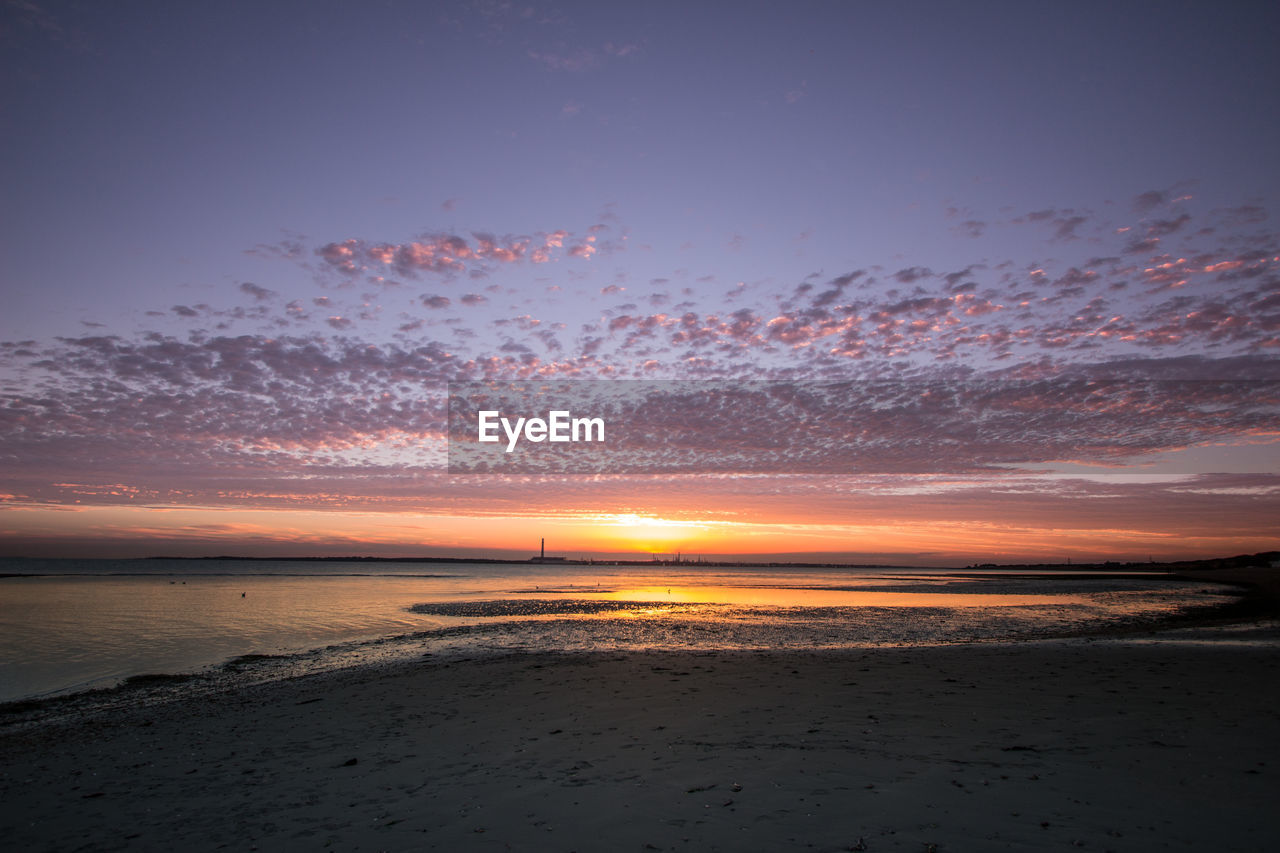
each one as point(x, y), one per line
point(1211, 563)
point(1240, 561)
point(1262, 560)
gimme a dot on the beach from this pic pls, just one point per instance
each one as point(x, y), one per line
point(1151, 741)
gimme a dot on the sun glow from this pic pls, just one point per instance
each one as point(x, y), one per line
point(654, 534)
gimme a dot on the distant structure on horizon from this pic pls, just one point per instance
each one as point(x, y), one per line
point(542, 555)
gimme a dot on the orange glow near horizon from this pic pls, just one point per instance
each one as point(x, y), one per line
point(147, 531)
point(626, 532)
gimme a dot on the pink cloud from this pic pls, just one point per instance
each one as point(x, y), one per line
point(445, 254)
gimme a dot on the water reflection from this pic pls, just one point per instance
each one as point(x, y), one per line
point(763, 596)
point(68, 631)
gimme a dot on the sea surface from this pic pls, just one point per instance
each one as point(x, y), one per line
point(74, 625)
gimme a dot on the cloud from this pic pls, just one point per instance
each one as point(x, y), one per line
point(1148, 201)
point(1065, 227)
point(918, 427)
point(579, 60)
point(910, 275)
point(1151, 200)
point(576, 62)
point(259, 293)
point(341, 403)
point(1242, 215)
point(1142, 245)
point(1065, 222)
point(621, 49)
point(961, 280)
point(836, 289)
point(1074, 277)
point(1165, 227)
point(445, 255)
point(291, 249)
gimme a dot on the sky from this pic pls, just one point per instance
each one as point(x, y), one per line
point(246, 247)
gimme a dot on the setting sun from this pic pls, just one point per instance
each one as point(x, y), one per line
point(652, 534)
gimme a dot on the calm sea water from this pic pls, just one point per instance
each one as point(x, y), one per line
point(74, 625)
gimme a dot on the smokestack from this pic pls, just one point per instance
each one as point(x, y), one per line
point(544, 547)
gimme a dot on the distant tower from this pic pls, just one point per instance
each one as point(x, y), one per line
point(542, 555)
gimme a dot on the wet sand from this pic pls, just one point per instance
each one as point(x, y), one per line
point(1168, 741)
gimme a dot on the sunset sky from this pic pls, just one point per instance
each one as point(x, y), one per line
point(246, 247)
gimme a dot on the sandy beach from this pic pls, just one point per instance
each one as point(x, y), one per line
point(1139, 743)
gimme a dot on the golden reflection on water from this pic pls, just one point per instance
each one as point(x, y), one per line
point(792, 597)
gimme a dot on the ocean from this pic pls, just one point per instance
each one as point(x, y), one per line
point(75, 625)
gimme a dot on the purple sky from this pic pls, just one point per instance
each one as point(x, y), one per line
point(246, 245)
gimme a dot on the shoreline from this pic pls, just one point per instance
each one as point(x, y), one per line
point(1258, 601)
point(1102, 742)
